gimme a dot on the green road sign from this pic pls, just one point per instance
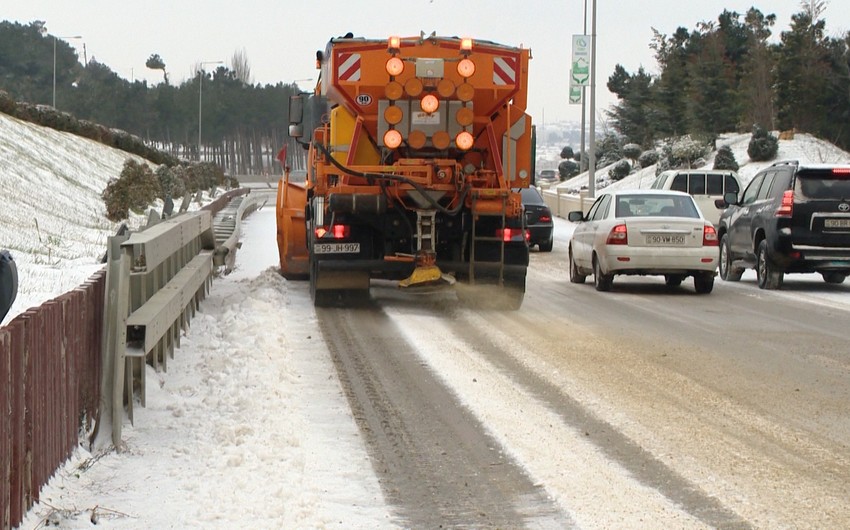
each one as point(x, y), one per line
point(580, 68)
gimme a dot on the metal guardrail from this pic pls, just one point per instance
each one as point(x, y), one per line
point(156, 280)
point(76, 358)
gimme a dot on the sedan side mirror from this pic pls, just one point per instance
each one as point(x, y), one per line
point(576, 216)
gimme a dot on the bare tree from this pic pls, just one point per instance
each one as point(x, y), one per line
point(757, 83)
point(241, 67)
point(814, 8)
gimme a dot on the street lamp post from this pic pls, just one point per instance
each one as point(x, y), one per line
point(55, 38)
point(591, 171)
point(201, 98)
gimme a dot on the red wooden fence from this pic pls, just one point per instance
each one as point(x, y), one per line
point(50, 368)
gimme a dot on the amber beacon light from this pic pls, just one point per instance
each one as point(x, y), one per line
point(395, 66)
point(465, 68)
point(464, 141)
point(392, 139)
point(429, 103)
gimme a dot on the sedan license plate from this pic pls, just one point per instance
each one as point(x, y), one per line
point(665, 239)
point(336, 248)
point(836, 223)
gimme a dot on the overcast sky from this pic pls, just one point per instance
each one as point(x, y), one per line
point(280, 38)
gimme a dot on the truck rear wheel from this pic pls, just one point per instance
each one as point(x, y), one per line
point(337, 288)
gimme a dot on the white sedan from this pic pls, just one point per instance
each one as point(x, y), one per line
point(645, 232)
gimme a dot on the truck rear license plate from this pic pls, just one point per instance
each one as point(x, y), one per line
point(665, 240)
point(336, 248)
point(836, 223)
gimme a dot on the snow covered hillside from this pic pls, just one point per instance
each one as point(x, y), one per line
point(801, 147)
point(52, 218)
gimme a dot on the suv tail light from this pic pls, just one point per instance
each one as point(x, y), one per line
point(618, 235)
point(709, 236)
point(786, 207)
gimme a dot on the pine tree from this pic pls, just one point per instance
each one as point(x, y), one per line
point(725, 158)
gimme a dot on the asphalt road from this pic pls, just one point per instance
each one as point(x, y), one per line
point(642, 407)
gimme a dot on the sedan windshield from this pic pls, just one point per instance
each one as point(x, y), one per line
point(656, 206)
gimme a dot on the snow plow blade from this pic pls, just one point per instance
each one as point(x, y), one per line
point(426, 275)
point(292, 230)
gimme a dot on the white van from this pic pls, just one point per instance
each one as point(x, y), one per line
point(705, 185)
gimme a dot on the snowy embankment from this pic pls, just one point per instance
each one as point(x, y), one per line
point(804, 147)
point(53, 219)
point(247, 428)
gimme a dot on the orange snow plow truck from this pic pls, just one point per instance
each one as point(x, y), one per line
point(417, 149)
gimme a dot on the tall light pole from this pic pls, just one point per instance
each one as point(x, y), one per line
point(55, 38)
point(591, 171)
point(201, 99)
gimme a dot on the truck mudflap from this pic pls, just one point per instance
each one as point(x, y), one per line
point(292, 229)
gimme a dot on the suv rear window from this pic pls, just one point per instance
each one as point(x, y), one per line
point(823, 184)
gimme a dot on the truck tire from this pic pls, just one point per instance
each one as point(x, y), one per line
point(320, 297)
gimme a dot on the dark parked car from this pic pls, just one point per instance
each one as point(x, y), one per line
point(538, 219)
point(792, 217)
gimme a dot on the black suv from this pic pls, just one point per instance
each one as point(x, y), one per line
point(792, 217)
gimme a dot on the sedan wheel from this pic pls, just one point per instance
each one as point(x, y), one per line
point(673, 280)
point(602, 282)
point(833, 277)
point(768, 276)
point(703, 283)
point(575, 275)
point(728, 273)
